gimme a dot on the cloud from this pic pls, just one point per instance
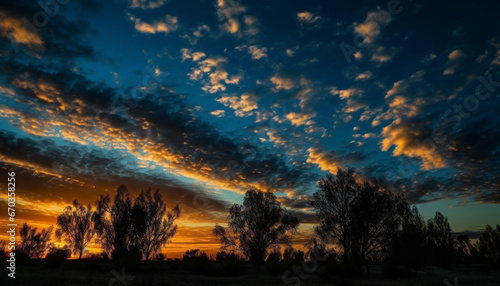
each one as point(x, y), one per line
point(383, 55)
point(353, 105)
point(15, 29)
point(252, 25)
point(404, 99)
point(284, 81)
point(358, 55)
point(155, 132)
point(257, 53)
point(218, 113)
point(369, 135)
point(195, 34)
point(299, 119)
point(452, 64)
point(243, 106)
point(212, 73)
point(326, 160)
point(169, 24)
point(147, 4)
point(346, 93)
point(307, 17)
point(401, 87)
point(409, 139)
point(495, 43)
point(455, 55)
point(370, 27)
point(188, 54)
point(60, 40)
point(228, 11)
point(364, 75)
point(428, 58)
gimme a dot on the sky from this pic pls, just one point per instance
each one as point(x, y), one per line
point(205, 100)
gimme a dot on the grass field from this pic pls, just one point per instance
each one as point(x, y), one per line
point(89, 273)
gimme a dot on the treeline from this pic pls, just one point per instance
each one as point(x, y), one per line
point(359, 224)
point(125, 228)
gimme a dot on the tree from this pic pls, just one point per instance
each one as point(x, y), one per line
point(134, 228)
point(257, 226)
point(34, 244)
point(154, 226)
point(114, 224)
point(489, 244)
point(3, 248)
point(410, 246)
point(76, 226)
point(361, 218)
point(465, 251)
point(439, 240)
point(317, 248)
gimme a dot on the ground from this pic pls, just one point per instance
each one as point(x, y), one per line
point(87, 273)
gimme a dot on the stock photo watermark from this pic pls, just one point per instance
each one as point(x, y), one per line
point(11, 225)
point(300, 271)
point(123, 278)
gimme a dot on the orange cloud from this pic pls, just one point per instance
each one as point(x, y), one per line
point(407, 141)
point(326, 161)
point(18, 31)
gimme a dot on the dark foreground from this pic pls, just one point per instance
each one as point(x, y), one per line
point(86, 273)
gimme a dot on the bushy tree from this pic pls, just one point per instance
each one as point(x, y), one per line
point(317, 248)
point(410, 243)
point(439, 240)
point(34, 244)
point(134, 228)
point(465, 251)
point(3, 248)
point(114, 224)
point(362, 218)
point(76, 226)
point(154, 226)
point(489, 244)
point(256, 227)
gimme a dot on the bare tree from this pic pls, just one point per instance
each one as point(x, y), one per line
point(34, 244)
point(76, 226)
point(154, 226)
point(257, 226)
point(360, 217)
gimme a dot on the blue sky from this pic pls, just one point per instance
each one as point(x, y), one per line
point(211, 98)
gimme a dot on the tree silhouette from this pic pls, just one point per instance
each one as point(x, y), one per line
point(137, 227)
point(257, 226)
point(317, 248)
point(410, 245)
point(3, 248)
point(33, 244)
point(114, 224)
point(489, 244)
point(154, 226)
point(76, 227)
point(439, 240)
point(360, 217)
point(465, 251)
